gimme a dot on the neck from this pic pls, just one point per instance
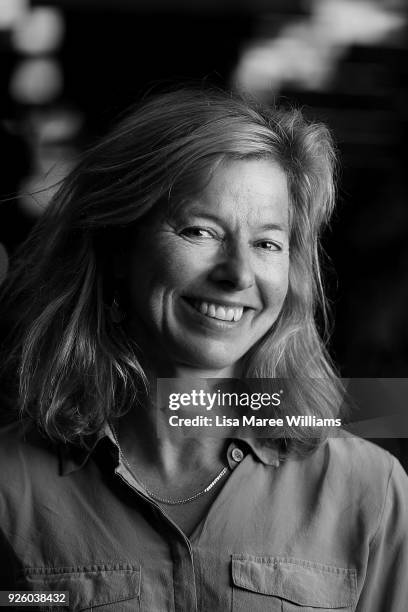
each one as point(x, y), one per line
point(171, 452)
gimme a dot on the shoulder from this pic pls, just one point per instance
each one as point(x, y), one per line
point(363, 472)
point(358, 484)
point(352, 474)
point(19, 438)
point(358, 457)
point(349, 460)
point(25, 456)
point(358, 461)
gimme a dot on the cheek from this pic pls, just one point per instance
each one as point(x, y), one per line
point(276, 286)
point(181, 265)
point(163, 271)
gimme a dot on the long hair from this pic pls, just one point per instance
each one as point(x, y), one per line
point(76, 367)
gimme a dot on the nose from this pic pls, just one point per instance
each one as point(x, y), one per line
point(234, 269)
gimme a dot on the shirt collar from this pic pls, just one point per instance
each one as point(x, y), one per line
point(72, 457)
point(265, 449)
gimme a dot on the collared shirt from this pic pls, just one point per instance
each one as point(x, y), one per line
point(325, 532)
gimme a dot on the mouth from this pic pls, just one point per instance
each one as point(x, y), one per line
point(214, 310)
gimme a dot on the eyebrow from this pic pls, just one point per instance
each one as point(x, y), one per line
point(268, 226)
point(275, 226)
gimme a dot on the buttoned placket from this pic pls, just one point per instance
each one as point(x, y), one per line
point(184, 579)
point(184, 576)
point(237, 455)
point(185, 558)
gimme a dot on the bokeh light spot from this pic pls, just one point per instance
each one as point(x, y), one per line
point(36, 81)
point(40, 30)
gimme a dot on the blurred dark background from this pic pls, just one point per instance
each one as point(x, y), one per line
point(68, 67)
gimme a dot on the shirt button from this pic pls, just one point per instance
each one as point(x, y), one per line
point(237, 454)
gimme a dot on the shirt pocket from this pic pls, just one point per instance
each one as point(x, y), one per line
point(272, 584)
point(113, 588)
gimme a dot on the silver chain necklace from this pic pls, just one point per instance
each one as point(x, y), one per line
point(163, 500)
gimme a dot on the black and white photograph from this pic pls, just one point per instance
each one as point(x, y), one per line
point(203, 305)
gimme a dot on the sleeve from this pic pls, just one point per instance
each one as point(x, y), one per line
point(386, 582)
point(8, 564)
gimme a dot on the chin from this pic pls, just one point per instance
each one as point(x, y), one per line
point(209, 359)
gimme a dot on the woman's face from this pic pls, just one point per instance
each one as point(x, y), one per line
point(207, 283)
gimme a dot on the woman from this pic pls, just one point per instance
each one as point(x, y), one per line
point(185, 244)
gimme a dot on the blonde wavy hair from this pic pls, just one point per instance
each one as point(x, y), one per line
point(76, 368)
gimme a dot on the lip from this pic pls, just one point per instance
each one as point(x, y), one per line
point(211, 322)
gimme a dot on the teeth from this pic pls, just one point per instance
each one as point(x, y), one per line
point(229, 314)
point(203, 307)
point(237, 313)
point(220, 313)
point(216, 311)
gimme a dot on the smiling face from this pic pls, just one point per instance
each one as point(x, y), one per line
point(209, 281)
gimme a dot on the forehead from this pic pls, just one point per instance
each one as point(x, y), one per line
point(255, 190)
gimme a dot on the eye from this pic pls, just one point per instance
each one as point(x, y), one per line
point(198, 232)
point(268, 245)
